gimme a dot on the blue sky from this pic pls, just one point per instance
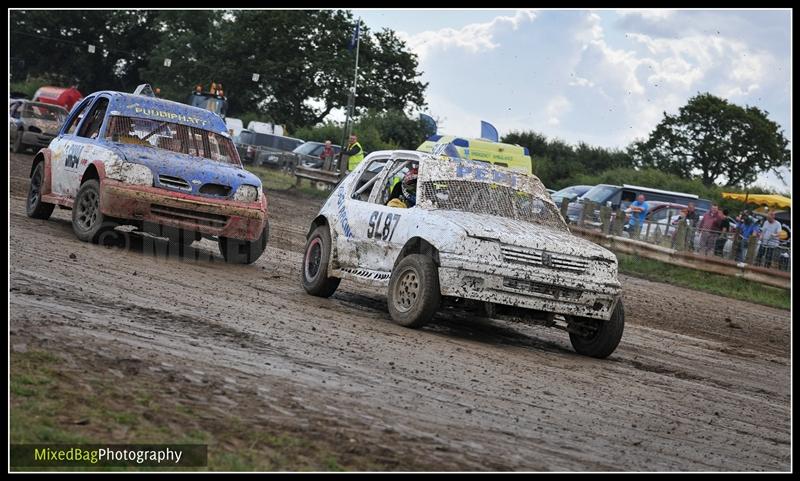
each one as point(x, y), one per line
point(600, 76)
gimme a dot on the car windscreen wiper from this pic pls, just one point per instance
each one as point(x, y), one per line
point(160, 126)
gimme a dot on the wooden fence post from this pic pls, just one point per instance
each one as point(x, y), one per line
point(605, 218)
point(751, 249)
point(564, 208)
point(680, 236)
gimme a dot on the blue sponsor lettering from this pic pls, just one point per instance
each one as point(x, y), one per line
point(343, 213)
point(485, 173)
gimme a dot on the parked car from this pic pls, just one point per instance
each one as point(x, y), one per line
point(661, 219)
point(308, 154)
point(164, 167)
point(572, 192)
point(260, 149)
point(479, 235)
point(33, 124)
point(620, 197)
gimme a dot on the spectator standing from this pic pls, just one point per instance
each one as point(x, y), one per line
point(691, 217)
point(724, 230)
point(354, 153)
point(327, 155)
point(638, 210)
point(770, 238)
point(747, 227)
point(709, 229)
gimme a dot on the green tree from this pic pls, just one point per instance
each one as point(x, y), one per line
point(305, 68)
point(710, 139)
point(555, 161)
point(54, 45)
point(376, 131)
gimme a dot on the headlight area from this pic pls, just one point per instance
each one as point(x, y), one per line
point(606, 265)
point(130, 173)
point(246, 193)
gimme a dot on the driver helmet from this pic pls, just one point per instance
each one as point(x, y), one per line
point(409, 185)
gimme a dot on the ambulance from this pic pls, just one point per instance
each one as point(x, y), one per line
point(505, 155)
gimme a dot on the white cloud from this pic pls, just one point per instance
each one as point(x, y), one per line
point(648, 13)
point(557, 107)
point(599, 77)
point(473, 38)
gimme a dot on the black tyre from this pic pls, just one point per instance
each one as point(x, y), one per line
point(315, 264)
point(605, 338)
point(237, 251)
point(88, 222)
point(35, 207)
point(18, 145)
point(414, 294)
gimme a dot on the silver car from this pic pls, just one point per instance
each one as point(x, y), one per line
point(33, 124)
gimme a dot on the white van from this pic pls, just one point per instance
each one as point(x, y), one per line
point(234, 126)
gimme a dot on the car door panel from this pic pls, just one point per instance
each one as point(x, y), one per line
point(66, 150)
point(353, 217)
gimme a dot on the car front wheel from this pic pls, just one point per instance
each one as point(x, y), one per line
point(35, 207)
point(237, 251)
point(599, 338)
point(88, 222)
point(315, 264)
point(414, 294)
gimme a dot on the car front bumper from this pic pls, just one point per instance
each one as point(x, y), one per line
point(519, 287)
point(219, 217)
point(37, 139)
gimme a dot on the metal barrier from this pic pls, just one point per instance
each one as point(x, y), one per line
point(683, 237)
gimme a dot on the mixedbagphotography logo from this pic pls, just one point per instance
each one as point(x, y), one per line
point(108, 455)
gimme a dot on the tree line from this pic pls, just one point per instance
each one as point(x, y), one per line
point(709, 144)
point(302, 58)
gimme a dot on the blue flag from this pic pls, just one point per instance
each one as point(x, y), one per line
point(488, 132)
point(429, 122)
point(354, 38)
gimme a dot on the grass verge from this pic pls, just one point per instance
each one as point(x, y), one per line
point(733, 287)
point(274, 179)
point(56, 401)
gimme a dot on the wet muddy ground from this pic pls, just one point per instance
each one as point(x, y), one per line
point(699, 382)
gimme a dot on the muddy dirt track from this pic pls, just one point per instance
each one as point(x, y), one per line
point(699, 382)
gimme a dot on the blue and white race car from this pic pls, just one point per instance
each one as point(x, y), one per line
point(471, 234)
point(133, 159)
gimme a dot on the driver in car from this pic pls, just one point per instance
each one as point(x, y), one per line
point(408, 195)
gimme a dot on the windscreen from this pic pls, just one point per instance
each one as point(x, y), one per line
point(44, 112)
point(173, 137)
point(498, 200)
point(599, 193)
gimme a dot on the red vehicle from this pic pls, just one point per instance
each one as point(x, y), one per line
point(63, 96)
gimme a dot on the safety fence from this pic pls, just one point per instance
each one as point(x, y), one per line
point(684, 244)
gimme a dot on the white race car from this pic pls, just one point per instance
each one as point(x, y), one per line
point(480, 236)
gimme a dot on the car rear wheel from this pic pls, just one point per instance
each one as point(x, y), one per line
point(237, 251)
point(88, 222)
point(599, 338)
point(414, 294)
point(315, 264)
point(35, 207)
